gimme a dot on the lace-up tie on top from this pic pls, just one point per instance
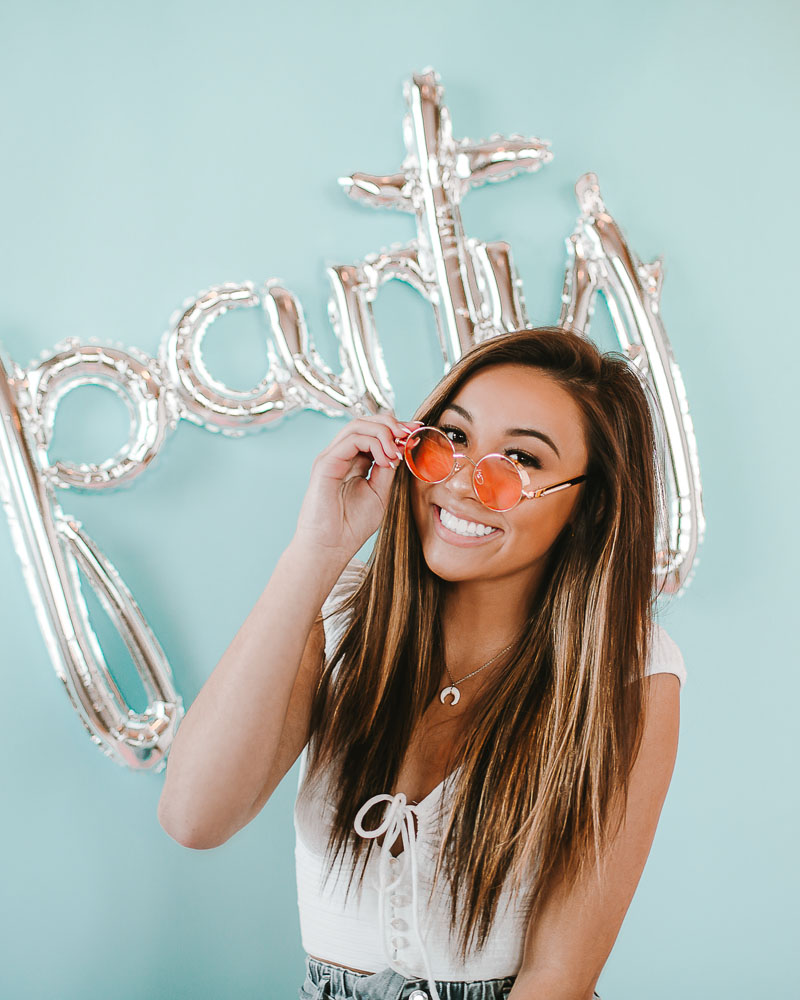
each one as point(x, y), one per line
point(398, 821)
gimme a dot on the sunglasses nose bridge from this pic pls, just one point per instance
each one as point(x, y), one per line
point(460, 461)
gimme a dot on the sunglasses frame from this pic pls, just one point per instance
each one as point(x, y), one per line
point(524, 478)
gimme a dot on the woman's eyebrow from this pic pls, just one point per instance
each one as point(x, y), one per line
point(512, 431)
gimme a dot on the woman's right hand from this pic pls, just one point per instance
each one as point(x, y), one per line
point(341, 508)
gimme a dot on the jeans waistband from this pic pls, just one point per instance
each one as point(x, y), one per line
point(325, 981)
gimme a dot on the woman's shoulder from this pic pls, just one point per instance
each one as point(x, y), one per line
point(333, 622)
point(349, 579)
point(665, 655)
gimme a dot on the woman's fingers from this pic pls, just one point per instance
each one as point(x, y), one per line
point(352, 445)
point(384, 427)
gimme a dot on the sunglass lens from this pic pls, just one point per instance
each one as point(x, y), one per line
point(429, 455)
point(497, 483)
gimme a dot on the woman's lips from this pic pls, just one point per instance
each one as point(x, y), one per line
point(454, 538)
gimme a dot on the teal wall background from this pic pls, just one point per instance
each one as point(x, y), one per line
point(154, 149)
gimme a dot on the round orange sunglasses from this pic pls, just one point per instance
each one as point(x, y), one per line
point(500, 482)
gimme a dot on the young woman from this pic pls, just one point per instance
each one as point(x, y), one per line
point(487, 712)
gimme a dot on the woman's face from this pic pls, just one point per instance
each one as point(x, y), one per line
point(495, 401)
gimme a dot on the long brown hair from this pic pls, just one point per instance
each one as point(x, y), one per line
point(547, 755)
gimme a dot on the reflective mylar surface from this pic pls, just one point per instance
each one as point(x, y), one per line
point(475, 293)
point(599, 260)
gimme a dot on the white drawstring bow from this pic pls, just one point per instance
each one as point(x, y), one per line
point(398, 821)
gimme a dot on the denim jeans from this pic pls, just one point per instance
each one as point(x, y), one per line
point(333, 982)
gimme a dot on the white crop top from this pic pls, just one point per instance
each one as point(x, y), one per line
point(387, 922)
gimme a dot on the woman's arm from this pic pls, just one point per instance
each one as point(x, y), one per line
point(567, 947)
point(248, 724)
point(222, 765)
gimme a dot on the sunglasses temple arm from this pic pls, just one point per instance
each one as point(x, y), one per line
point(558, 486)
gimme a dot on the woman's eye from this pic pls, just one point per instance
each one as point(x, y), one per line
point(448, 429)
point(524, 458)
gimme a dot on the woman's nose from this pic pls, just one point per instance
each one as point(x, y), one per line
point(462, 476)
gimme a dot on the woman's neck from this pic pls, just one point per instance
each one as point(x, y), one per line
point(482, 616)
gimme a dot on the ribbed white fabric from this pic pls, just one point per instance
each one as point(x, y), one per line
point(393, 920)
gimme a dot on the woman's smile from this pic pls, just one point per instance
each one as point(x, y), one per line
point(456, 535)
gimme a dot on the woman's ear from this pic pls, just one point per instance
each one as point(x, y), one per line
point(600, 507)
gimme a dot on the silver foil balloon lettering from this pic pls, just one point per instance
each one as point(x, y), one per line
point(600, 261)
point(53, 547)
point(475, 293)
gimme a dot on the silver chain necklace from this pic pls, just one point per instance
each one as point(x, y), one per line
point(453, 690)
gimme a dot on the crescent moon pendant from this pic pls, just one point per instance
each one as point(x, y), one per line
point(447, 691)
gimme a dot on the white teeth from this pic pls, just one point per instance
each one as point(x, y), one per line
point(462, 527)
